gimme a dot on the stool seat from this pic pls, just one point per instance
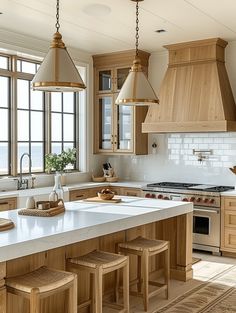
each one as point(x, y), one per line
point(44, 279)
point(97, 259)
point(140, 244)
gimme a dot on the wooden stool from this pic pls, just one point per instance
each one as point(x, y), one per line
point(42, 283)
point(97, 264)
point(145, 248)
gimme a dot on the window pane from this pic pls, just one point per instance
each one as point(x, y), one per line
point(105, 80)
point(23, 148)
point(56, 101)
point(4, 91)
point(56, 147)
point(68, 102)
point(36, 126)
point(4, 159)
point(4, 62)
point(3, 125)
point(23, 125)
point(37, 157)
point(56, 127)
point(68, 145)
point(68, 127)
point(23, 93)
point(18, 65)
point(28, 67)
point(36, 100)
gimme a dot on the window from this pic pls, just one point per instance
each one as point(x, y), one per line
point(32, 122)
point(5, 125)
point(63, 118)
point(30, 126)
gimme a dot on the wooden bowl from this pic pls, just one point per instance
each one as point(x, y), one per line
point(106, 196)
point(98, 179)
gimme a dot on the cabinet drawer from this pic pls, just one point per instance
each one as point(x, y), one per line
point(230, 238)
point(78, 194)
point(132, 192)
point(230, 218)
point(8, 204)
point(117, 191)
point(230, 203)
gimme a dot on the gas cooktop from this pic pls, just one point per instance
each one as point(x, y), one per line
point(189, 186)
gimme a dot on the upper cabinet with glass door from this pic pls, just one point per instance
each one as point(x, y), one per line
point(117, 128)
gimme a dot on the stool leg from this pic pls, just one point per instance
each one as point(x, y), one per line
point(117, 282)
point(167, 271)
point(92, 293)
point(126, 286)
point(72, 305)
point(34, 301)
point(98, 291)
point(139, 271)
point(145, 271)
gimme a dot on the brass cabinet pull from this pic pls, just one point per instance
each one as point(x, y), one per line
point(4, 203)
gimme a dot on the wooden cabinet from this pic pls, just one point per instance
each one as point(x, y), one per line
point(8, 204)
point(117, 128)
point(81, 194)
point(228, 224)
point(132, 192)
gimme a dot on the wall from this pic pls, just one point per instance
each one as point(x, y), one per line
point(174, 160)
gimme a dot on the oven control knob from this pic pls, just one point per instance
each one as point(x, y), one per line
point(166, 198)
point(199, 199)
point(192, 199)
point(147, 195)
point(185, 199)
point(153, 195)
point(212, 201)
point(160, 197)
point(206, 200)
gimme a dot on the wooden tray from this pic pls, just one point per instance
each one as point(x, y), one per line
point(97, 199)
point(6, 224)
point(42, 213)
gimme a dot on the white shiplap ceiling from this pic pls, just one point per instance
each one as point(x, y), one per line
point(99, 26)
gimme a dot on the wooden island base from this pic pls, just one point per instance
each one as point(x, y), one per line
point(178, 230)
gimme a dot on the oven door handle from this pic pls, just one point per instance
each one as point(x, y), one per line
point(207, 211)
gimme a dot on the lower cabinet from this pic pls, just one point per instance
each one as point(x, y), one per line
point(8, 204)
point(81, 194)
point(228, 225)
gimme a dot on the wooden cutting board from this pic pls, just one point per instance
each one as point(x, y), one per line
point(42, 213)
point(6, 224)
point(97, 199)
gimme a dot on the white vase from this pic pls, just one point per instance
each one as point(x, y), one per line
point(57, 185)
point(30, 203)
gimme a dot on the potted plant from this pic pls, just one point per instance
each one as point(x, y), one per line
point(58, 162)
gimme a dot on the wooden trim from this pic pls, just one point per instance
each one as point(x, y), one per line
point(191, 126)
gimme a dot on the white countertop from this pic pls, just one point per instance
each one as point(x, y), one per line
point(81, 221)
point(230, 193)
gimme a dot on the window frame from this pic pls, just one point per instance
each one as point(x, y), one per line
point(13, 75)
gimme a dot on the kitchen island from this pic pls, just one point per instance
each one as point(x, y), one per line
point(85, 226)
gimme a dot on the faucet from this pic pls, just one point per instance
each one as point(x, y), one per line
point(24, 183)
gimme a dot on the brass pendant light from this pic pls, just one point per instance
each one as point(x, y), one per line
point(136, 90)
point(57, 71)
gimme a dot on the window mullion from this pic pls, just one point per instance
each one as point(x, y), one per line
point(13, 108)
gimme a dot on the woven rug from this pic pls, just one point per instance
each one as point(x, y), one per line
point(218, 295)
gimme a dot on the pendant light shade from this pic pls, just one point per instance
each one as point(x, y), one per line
point(57, 71)
point(137, 90)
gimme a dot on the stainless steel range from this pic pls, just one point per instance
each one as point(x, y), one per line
point(206, 214)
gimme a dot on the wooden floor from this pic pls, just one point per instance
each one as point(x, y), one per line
point(208, 267)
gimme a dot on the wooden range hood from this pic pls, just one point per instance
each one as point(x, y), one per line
point(195, 94)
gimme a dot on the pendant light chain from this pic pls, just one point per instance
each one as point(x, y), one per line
point(137, 28)
point(57, 17)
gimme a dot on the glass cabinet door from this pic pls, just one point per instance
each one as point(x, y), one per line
point(121, 74)
point(105, 122)
point(104, 80)
point(124, 127)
